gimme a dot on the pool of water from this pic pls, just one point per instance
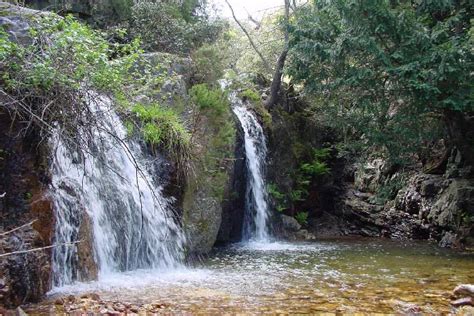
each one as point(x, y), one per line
point(348, 275)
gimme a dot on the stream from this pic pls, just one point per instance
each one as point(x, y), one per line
point(339, 275)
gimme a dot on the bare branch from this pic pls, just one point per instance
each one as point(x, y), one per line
point(18, 228)
point(265, 63)
point(38, 249)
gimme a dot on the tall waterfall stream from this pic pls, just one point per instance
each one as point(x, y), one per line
point(256, 221)
point(138, 247)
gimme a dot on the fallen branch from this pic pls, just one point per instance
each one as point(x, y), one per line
point(38, 249)
point(18, 228)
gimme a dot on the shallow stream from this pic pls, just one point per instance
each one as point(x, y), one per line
point(343, 275)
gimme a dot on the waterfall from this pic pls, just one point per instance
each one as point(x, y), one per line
point(257, 214)
point(132, 223)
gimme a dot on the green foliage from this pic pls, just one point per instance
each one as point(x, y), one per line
point(278, 197)
point(162, 127)
point(392, 71)
point(75, 55)
point(317, 166)
point(305, 175)
point(302, 218)
point(214, 130)
point(49, 79)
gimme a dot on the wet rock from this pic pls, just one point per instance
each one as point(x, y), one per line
point(463, 302)
point(368, 176)
point(290, 223)
point(464, 290)
point(449, 240)
point(430, 187)
point(303, 234)
point(20, 312)
point(71, 299)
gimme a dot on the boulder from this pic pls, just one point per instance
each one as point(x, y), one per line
point(290, 224)
point(464, 290)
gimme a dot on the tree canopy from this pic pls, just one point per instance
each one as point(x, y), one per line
point(394, 70)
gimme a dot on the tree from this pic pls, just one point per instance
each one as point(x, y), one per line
point(396, 68)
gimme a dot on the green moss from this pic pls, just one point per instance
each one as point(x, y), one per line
point(162, 127)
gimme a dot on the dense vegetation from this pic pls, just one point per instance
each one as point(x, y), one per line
point(394, 74)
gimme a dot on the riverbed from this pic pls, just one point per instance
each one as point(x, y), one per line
point(340, 275)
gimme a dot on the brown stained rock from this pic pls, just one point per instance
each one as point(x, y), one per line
point(88, 269)
point(42, 211)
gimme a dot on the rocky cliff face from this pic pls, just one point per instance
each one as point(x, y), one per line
point(24, 276)
point(420, 205)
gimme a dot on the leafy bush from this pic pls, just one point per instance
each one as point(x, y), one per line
point(47, 82)
point(317, 167)
point(279, 197)
point(388, 72)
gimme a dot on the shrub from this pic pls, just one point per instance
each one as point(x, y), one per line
point(48, 81)
point(250, 94)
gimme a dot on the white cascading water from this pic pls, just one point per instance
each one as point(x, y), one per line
point(133, 226)
point(257, 214)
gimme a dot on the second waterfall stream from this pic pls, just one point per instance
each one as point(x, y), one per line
point(257, 213)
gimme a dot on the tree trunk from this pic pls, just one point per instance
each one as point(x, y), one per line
point(461, 132)
point(275, 88)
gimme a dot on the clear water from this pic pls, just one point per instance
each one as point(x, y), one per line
point(256, 221)
point(132, 222)
point(348, 276)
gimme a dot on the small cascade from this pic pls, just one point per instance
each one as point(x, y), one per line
point(257, 213)
point(132, 224)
